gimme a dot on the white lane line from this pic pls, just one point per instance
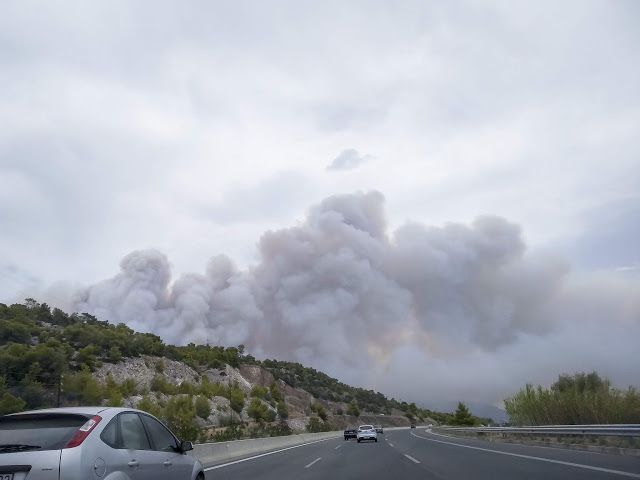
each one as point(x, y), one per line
point(316, 460)
point(265, 454)
point(540, 459)
point(411, 458)
point(337, 447)
point(391, 444)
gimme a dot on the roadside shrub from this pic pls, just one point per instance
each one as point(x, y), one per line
point(203, 409)
point(128, 387)
point(149, 406)
point(315, 425)
point(11, 404)
point(180, 414)
point(159, 365)
point(161, 384)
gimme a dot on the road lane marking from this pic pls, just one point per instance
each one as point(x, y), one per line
point(265, 454)
point(411, 458)
point(316, 460)
point(540, 459)
point(337, 447)
point(391, 444)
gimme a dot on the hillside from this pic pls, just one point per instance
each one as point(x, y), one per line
point(51, 358)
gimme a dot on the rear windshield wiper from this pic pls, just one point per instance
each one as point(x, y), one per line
point(17, 446)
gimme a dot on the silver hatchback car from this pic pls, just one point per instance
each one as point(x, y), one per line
point(92, 442)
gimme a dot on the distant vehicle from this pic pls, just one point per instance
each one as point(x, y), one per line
point(413, 425)
point(92, 442)
point(378, 428)
point(367, 432)
point(350, 432)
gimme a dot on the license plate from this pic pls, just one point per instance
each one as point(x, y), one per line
point(6, 476)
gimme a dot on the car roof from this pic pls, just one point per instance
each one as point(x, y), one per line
point(79, 410)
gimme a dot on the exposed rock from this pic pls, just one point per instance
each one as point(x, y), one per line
point(256, 375)
point(298, 424)
point(142, 370)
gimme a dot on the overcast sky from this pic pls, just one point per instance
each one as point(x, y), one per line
point(192, 128)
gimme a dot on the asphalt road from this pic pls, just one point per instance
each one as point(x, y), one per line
point(417, 453)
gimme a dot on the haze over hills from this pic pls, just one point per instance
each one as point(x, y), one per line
point(466, 308)
point(50, 358)
point(451, 188)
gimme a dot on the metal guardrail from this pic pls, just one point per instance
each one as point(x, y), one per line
point(628, 430)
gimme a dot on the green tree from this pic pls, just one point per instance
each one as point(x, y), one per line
point(14, 331)
point(147, 405)
point(462, 417)
point(115, 355)
point(203, 409)
point(159, 365)
point(283, 412)
point(180, 414)
point(319, 410)
point(582, 398)
point(315, 425)
point(128, 387)
point(353, 408)
point(259, 392)
point(83, 387)
point(259, 411)
point(87, 356)
point(114, 399)
point(237, 400)
point(275, 392)
point(255, 409)
point(11, 404)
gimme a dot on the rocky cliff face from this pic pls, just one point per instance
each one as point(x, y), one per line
point(143, 369)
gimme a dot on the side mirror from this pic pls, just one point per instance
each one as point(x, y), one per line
point(186, 446)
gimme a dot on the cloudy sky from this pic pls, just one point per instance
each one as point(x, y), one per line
point(453, 184)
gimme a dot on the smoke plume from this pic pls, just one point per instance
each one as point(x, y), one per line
point(342, 292)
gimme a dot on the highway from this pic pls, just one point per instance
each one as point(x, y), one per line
point(418, 453)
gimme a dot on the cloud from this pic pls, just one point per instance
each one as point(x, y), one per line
point(198, 131)
point(348, 159)
point(466, 306)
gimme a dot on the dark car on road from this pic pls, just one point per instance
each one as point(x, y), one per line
point(350, 432)
point(378, 428)
point(413, 425)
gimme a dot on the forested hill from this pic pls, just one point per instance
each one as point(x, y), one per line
point(47, 358)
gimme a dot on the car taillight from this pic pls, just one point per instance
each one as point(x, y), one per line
point(83, 432)
point(359, 431)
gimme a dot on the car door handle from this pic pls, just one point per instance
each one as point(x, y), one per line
point(133, 463)
point(167, 463)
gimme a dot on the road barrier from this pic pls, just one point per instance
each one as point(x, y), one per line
point(220, 451)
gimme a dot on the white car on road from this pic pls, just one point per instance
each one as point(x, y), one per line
point(367, 432)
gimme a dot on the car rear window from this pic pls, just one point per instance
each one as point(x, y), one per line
point(366, 427)
point(47, 431)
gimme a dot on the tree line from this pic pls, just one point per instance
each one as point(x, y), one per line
point(578, 399)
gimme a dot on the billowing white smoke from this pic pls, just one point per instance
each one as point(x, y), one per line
point(341, 290)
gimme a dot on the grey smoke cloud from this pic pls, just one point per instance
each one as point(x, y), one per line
point(348, 159)
point(414, 302)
